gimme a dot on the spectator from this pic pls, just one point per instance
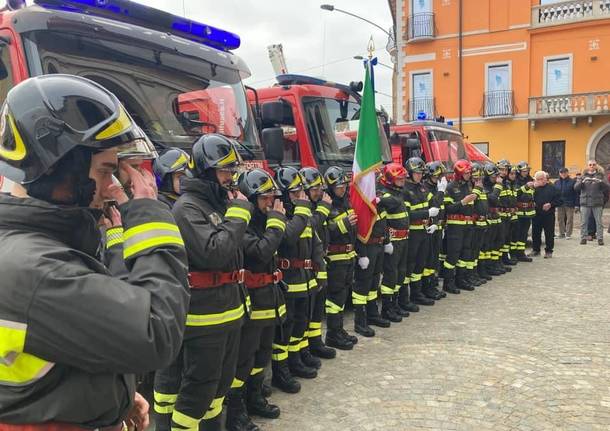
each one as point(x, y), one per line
point(593, 189)
point(565, 212)
point(547, 198)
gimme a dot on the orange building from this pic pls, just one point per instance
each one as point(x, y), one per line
point(534, 78)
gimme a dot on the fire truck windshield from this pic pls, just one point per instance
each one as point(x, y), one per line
point(175, 98)
point(332, 126)
point(446, 146)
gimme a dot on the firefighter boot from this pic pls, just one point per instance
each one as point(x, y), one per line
point(309, 360)
point(237, 415)
point(321, 350)
point(283, 379)
point(461, 281)
point(387, 310)
point(397, 308)
point(522, 257)
point(334, 337)
point(449, 282)
point(256, 402)
point(507, 261)
point(473, 277)
point(345, 334)
point(298, 368)
point(404, 300)
point(417, 297)
point(482, 270)
point(428, 290)
point(267, 391)
point(360, 322)
point(373, 317)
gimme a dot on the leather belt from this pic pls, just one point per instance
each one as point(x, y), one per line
point(340, 248)
point(460, 217)
point(255, 280)
point(422, 222)
point(209, 279)
point(398, 233)
point(526, 205)
point(284, 263)
point(378, 240)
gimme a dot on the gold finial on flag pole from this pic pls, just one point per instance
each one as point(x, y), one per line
point(371, 48)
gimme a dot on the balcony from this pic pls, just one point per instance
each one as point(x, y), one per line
point(569, 106)
point(498, 104)
point(568, 12)
point(420, 27)
point(426, 105)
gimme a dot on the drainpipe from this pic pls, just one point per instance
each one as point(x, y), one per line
point(461, 65)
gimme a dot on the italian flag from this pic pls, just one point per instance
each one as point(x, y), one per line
point(367, 159)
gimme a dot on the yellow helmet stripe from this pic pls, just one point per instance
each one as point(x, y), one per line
point(118, 126)
point(20, 151)
point(228, 159)
point(182, 160)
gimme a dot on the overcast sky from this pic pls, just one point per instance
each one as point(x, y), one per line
point(316, 42)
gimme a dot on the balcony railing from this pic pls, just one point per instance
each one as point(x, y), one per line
point(422, 104)
point(498, 104)
point(569, 12)
point(420, 26)
point(570, 105)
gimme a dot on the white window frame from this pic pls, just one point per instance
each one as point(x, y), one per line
point(546, 60)
point(508, 63)
point(421, 72)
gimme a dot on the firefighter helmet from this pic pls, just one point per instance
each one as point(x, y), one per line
point(490, 169)
point(335, 176)
point(461, 168)
point(477, 170)
point(172, 160)
point(415, 165)
point(392, 172)
point(523, 166)
point(436, 169)
point(257, 182)
point(289, 179)
point(214, 151)
point(312, 178)
point(503, 164)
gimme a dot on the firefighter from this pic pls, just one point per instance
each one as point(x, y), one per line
point(262, 278)
point(393, 179)
point(514, 218)
point(459, 204)
point(340, 257)
point(213, 219)
point(505, 199)
point(493, 186)
point(314, 186)
point(417, 200)
point(69, 361)
point(300, 256)
point(481, 226)
point(169, 169)
point(526, 208)
point(436, 184)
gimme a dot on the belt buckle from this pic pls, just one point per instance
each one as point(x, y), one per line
point(277, 276)
point(391, 231)
point(349, 248)
point(284, 263)
point(215, 279)
point(307, 264)
point(189, 277)
point(241, 276)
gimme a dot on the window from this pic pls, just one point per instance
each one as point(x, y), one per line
point(553, 156)
point(498, 85)
point(482, 147)
point(421, 95)
point(6, 75)
point(558, 76)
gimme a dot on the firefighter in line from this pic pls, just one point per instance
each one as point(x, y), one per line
point(169, 169)
point(300, 256)
point(72, 367)
point(417, 200)
point(492, 185)
point(514, 219)
point(436, 184)
point(262, 277)
point(213, 219)
point(314, 186)
point(481, 225)
point(340, 257)
point(393, 179)
point(526, 208)
point(459, 204)
point(505, 212)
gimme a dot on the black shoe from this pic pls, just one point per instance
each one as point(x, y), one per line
point(298, 368)
point(408, 307)
point(351, 338)
point(500, 267)
point(583, 242)
point(309, 360)
point(360, 322)
point(283, 379)
point(237, 414)
point(548, 254)
point(441, 293)
point(417, 297)
point(475, 281)
point(404, 302)
point(389, 313)
point(482, 271)
point(373, 318)
point(463, 284)
point(335, 339)
point(256, 402)
point(430, 292)
point(319, 349)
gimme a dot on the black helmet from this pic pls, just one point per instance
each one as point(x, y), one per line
point(435, 169)
point(257, 182)
point(172, 160)
point(312, 178)
point(289, 179)
point(139, 148)
point(214, 151)
point(335, 176)
point(503, 164)
point(490, 169)
point(46, 117)
point(523, 166)
point(415, 165)
point(477, 171)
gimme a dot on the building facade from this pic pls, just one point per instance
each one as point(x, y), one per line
point(534, 75)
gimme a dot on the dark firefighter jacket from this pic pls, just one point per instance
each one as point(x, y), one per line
point(436, 199)
point(301, 243)
point(261, 241)
point(320, 222)
point(213, 230)
point(71, 334)
point(481, 207)
point(525, 197)
point(505, 199)
point(417, 200)
point(456, 191)
point(393, 203)
point(493, 190)
point(340, 231)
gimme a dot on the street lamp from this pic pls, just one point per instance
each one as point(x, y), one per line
point(331, 8)
point(359, 57)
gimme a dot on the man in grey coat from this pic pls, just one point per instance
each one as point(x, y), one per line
point(593, 189)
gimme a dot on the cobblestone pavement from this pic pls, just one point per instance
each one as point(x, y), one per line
point(528, 351)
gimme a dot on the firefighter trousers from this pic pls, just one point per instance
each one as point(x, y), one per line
point(524, 227)
point(503, 236)
point(394, 268)
point(459, 249)
point(478, 244)
point(367, 280)
point(340, 284)
point(434, 251)
point(514, 236)
point(255, 348)
point(419, 243)
point(318, 303)
point(289, 336)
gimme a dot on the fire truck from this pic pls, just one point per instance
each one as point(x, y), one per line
point(159, 65)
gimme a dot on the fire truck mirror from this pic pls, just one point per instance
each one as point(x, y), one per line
point(273, 143)
point(272, 113)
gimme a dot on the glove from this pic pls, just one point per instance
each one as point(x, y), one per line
point(431, 229)
point(433, 212)
point(363, 262)
point(442, 185)
point(388, 249)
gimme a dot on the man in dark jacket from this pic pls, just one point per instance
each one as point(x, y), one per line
point(565, 212)
point(213, 220)
point(547, 198)
point(72, 333)
point(593, 189)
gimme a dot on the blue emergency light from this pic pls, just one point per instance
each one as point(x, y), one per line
point(421, 116)
point(450, 123)
point(138, 14)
